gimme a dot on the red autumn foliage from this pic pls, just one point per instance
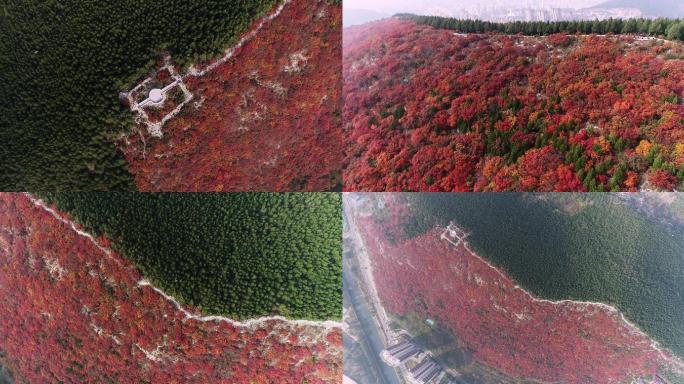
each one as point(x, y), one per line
point(267, 119)
point(71, 313)
point(431, 110)
point(662, 180)
point(500, 324)
point(173, 99)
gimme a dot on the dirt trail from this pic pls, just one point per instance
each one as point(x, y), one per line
point(155, 129)
point(583, 305)
point(192, 71)
point(355, 211)
point(249, 323)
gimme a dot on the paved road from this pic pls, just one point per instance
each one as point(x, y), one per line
point(371, 335)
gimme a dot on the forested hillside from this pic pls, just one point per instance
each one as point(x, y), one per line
point(492, 302)
point(268, 119)
point(592, 247)
point(438, 110)
point(63, 65)
point(73, 311)
point(671, 28)
point(237, 254)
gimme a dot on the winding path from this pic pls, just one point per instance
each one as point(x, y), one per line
point(679, 364)
point(249, 323)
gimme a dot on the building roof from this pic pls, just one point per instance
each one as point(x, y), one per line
point(156, 95)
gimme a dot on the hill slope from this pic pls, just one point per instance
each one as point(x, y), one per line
point(240, 255)
point(590, 248)
point(73, 311)
point(60, 108)
point(488, 290)
point(267, 119)
point(431, 109)
point(68, 67)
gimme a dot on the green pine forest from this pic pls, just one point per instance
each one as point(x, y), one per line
point(672, 29)
point(592, 246)
point(240, 255)
point(63, 64)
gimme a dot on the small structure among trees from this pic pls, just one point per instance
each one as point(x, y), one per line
point(155, 98)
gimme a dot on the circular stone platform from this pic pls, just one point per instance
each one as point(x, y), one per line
point(156, 95)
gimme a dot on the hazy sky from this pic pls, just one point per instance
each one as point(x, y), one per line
point(362, 11)
point(394, 6)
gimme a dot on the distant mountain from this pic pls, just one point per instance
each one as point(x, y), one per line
point(504, 15)
point(360, 16)
point(517, 10)
point(654, 8)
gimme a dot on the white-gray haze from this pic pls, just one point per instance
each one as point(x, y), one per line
point(396, 6)
point(360, 11)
